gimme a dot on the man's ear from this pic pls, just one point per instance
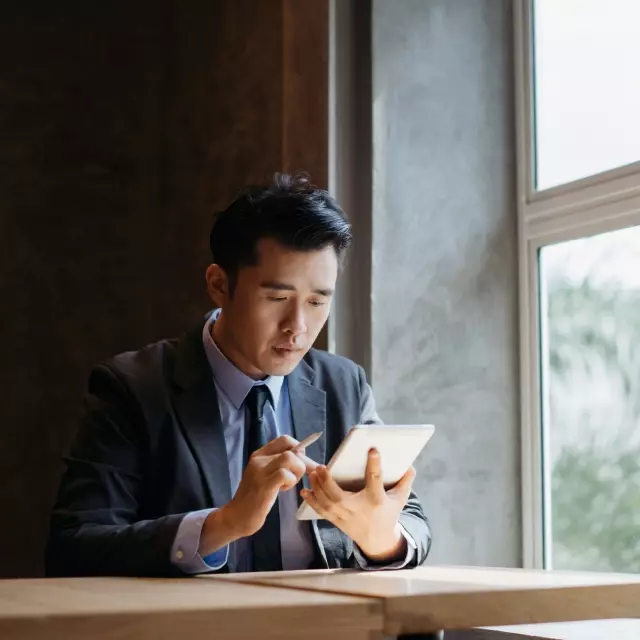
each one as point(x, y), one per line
point(217, 285)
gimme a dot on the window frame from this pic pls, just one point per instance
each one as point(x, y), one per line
point(604, 202)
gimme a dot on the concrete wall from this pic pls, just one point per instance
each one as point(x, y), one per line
point(444, 272)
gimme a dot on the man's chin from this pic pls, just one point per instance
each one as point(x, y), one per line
point(282, 366)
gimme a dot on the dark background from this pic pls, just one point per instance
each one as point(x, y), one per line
point(123, 127)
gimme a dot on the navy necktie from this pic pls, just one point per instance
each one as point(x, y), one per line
point(267, 554)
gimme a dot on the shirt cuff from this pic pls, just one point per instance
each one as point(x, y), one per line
point(184, 551)
point(367, 565)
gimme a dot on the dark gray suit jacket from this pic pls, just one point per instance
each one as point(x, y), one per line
point(151, 448)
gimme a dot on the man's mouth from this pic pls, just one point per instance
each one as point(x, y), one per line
point(286, 350)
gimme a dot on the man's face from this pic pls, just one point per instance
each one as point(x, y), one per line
point(277, 309)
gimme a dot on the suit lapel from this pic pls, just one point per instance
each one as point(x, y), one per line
point(308, 410)
point(196, 406)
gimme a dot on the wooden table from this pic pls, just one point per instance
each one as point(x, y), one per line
point(619, 629)
point(139, 609)
point(432, 598)
point(334, 605)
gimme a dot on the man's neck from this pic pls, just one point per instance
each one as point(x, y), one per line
point(218, 335)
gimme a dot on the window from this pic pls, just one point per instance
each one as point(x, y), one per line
point(591, 363)
point(577, 106)
point(587, 87)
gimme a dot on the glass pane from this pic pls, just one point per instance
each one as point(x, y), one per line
point(591, 353)
point(587, 87)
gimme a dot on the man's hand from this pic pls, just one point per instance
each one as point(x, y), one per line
point(278, 466)
point(369, 517)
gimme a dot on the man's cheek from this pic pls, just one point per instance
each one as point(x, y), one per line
point(268, 321)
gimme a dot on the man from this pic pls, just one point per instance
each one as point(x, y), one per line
point(187, 460)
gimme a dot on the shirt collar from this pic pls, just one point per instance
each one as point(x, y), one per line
point(235, 384)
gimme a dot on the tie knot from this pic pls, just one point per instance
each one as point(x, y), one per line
point(256, 400)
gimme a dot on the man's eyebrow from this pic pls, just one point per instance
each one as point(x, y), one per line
point(283, 286)
point(277, 286)
point(327, 293)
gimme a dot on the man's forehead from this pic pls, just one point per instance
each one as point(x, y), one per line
point(296, 270)
point(270, 257)
point(284, 285)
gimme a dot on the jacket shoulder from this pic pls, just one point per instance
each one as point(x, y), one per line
point(318, 359)
point(146, 374)
point(329, 367)
point(152, 358)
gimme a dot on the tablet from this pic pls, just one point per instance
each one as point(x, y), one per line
point(399, 446)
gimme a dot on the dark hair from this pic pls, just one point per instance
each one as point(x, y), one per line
point(289, 210)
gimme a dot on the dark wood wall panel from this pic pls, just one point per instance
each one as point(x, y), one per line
point(305, 90)
point(123, 126)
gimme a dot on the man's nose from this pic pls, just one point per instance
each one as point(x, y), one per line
point(295, 322)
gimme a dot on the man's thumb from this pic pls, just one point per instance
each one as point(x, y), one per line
point(405, 483)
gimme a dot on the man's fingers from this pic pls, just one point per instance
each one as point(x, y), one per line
point(310, 465)
point(290, 461)
point(320, 494)
point(331, 488)
point(403, 488)
point(286, 443)
point(283, 478)
point(374, 483)
point(312, 500)
point(279, 445)
point(271, 485)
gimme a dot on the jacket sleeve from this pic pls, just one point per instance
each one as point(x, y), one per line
point(412, 517)
point(95, 527)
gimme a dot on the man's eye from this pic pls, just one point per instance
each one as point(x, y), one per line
point(276, 299)
point(317, 303)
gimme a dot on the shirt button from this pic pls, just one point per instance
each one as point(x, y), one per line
point(179, 554)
